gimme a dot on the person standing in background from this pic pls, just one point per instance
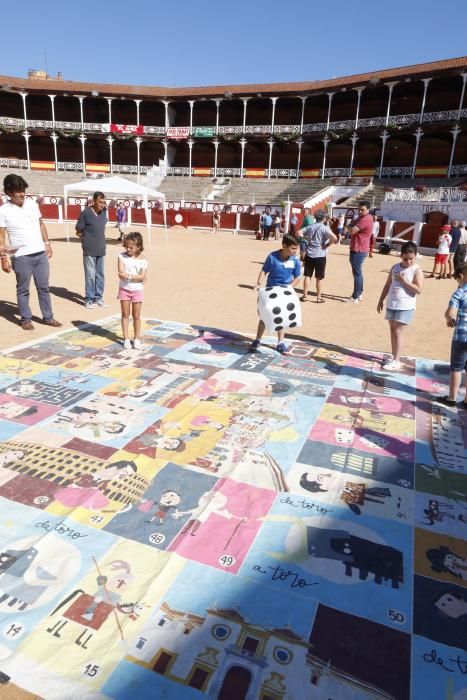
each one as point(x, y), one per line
point(90, 227)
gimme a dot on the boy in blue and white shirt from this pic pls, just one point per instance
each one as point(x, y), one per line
point(282, 267)
point(456, 317)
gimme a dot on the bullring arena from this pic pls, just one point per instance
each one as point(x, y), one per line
point(223, 523)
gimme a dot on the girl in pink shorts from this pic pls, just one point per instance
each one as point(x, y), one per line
point(132, 268)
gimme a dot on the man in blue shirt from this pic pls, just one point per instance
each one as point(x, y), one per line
point(267, 222)
point(282, 267)
point(456, 317)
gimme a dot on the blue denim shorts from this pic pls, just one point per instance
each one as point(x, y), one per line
point(458, 356)
point(400, 315)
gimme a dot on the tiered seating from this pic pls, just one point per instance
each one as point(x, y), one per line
point(50, 183)
point(375, 194)
point(273, 191)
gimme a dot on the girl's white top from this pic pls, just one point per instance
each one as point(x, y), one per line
point(132, 266)
point(399, 297)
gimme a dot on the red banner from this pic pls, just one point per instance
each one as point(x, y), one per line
point(137, 129)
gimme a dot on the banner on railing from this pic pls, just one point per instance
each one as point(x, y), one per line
point(137, 129)
point(204, 132)
point(178, 132)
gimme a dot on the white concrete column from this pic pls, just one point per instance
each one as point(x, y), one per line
point(384, 137)
point(81, 99)
point(271, 144)
point(455, 133)
point(137, 102)
point(190, 146)
point(302, 118)
point(26, 138)
point(330, 96)
point(166, 105)
point(359, 93)
point(300, 143)
point(388, 111)
point(191, 103)
point(109, 102)
point(426, 82)
point(218, 102)
point(82, 138)
point(354, 140)
point(25, 116)
point(54, 138)
point(216, 148)
point(461, 101)
point(138, 141)
point(165, 144)
point(273, 100)
point(325, 141)
point(52, 100)
point(242, 143)
point(244, 100)
point(110, 142)
point(418, 136)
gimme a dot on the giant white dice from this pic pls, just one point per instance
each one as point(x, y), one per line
point(279, 308)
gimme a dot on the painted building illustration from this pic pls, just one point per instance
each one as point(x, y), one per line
point(226, 657)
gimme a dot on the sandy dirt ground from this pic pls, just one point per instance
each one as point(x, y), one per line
point(207, 279)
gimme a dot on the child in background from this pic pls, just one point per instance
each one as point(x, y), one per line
point(456, 317)
point(442, 256)
point(281, 267)
point(132, 268)
point(404, 282)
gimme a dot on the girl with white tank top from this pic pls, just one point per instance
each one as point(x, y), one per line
point(404, 282)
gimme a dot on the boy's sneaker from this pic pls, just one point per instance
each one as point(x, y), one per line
point(392, 365)
point(127, 344)
point(102, 304)
point(351, 300)
point(254, 346)
point(89, 305)
point(137, 344)
point(282, 347)
point(387, 361)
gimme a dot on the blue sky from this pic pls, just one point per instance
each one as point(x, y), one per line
point(203, 42)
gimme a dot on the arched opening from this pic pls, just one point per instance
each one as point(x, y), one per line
point(67, 109)
point(435, 149)
point(97, 151)
point(69, 150)
point(443, 93)
point(12, 105)
point(259, 112)
point(339, 154)
point(13, 146)
point(400, 151)
point(124, 152)
point(407, 97)
point(202, 155)
point(284, 155)
point(152, 113)
point(229, 155)
point(288, 110)
point(374, 102)
point(39, 107)
point(41, 148)
point(179, 113)
point(344, 105)
point(235, 684)
point(150, 152)
point(316, 109)
point(231, 112)
point(95, 110)
point(179, 154)
point(256, 155)
point(123, 111)
point(312, 156)
point(460, 151)
point(367, 153)
point(204, 113)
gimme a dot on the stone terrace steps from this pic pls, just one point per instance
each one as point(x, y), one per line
point(376, 193)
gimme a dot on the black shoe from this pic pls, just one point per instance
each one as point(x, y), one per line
point(446, 401)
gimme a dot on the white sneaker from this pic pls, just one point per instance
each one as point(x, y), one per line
point(387, 361)
point(351, 300)
point(137, 344)
point(89, 305)
point(392, 365)
point(360, 298)
point(102, 304)
point(127, 344)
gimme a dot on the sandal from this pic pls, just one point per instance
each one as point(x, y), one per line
point(320, 301)
point(303, 299)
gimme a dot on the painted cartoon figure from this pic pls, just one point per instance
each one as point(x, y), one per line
point(169, 499)
point(11, 410)
point(91, 422)
point(452, 604)
point(211, 502)
point(434, 514)
point(444, 560)
point(353, 494)
point(11, 456)
point(88, 490)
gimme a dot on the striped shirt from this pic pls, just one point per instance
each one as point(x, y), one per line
point(459, 302)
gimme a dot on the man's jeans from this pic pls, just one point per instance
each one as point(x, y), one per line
point(37, 267)
point(93, 277)
point(356, 261)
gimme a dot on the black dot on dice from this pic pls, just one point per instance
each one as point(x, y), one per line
point(288, 292)
point(279, 328)
point(292, 325)
point(278, 319)
point(276, 310)
point(290, 306)
point(273, 295)
point(292, 316)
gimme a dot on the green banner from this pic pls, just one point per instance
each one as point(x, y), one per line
point(205, 132)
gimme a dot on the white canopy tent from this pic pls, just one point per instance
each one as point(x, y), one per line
point(115, 186)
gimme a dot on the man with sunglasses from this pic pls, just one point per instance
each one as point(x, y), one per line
point(361, 230)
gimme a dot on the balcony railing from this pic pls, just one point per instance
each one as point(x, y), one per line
point(431, 194)
point(255, 129)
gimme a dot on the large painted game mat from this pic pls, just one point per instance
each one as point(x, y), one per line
point(191, 520)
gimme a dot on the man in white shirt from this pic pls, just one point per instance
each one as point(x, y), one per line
point(21, 219)
point(374, 235)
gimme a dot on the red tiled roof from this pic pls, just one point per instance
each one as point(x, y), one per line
point(417, 70)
